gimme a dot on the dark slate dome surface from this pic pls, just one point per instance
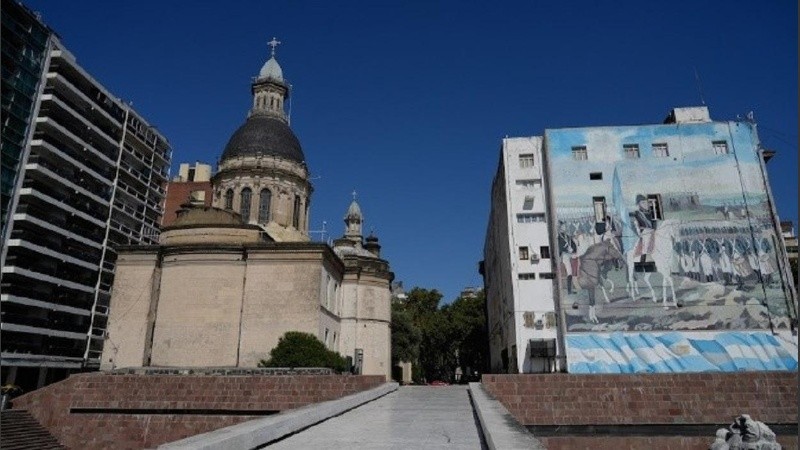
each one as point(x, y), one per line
point(264, 135)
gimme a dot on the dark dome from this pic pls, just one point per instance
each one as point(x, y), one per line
point(264, 135)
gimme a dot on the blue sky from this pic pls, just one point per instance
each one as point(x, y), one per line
point(406, 102)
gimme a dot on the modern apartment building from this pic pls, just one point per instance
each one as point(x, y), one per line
point(634, 249)
point(92, 176)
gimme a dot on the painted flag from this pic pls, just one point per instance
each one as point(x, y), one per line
point(629, 237)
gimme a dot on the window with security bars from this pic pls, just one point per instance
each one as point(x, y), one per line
point(580, 153)
point(631, 151)
point(599, 209)
point(660, 150)
point(523, 253)
point(720, 147)
point(654, 200)
point(526, 160)
point(529, 184)
point(527, 276)
point(530, 218)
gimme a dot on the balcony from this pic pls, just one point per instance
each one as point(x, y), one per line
point(60, 204)
point(51, 122)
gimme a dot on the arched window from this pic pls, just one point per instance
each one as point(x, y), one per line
point(264, 201)
point(244, 209)
point(229, 199)
point(296, 215)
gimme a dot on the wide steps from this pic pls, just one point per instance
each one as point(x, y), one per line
point(20, 431)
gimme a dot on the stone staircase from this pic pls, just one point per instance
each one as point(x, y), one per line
point(20, 431)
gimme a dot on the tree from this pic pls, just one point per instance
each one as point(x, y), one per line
point(406, 336)
point(297, 349)
point(437, 339)
point(468, 319)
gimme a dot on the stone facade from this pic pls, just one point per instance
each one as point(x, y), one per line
point(227, 281)
point(278, 179)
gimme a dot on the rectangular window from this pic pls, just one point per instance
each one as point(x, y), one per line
point(526, 160)
point(523, 253)
point(596, 176)
point(579, 153)
point(631, 151)
point(654, 200)
point(529, 184)
point(660, 150)
point(546, 276)
point(544, 251)
point(527, 276)
point(599, 209)
point(528, 203)
point(720, 147)
point(530, 218)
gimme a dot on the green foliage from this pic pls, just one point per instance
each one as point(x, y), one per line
point(449, 336)
point(296, 349)
point(406, 336)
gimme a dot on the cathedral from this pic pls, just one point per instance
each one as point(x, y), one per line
point(227, 281)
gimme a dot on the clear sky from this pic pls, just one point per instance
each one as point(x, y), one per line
point(406, 102)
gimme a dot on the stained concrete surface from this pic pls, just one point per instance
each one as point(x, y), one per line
point(413, 417)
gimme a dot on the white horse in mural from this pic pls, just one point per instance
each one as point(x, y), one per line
point(662, 255)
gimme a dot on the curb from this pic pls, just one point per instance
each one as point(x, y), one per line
point(499, 427)
point(258, 432)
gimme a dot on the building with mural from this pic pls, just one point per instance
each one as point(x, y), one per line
point(666, 251)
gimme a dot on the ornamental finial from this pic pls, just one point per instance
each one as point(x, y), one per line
point(273, 43)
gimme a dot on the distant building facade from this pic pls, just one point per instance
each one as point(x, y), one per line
point(227, 281)
point(192, 185)
point(789, 236)
point(663, 252)
point(90, 175)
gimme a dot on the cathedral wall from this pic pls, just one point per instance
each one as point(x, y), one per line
point(283, 292)
point(365, 323)
point(130, 303)
point(375, 339)
point(199, 308)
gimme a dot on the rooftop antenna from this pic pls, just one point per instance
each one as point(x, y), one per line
point(699, 86)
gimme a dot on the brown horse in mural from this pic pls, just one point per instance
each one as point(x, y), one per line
point(595, 264)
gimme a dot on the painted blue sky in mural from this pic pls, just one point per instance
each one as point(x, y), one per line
point(407, 102)
point(690, 148)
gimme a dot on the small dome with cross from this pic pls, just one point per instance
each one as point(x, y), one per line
point(271, 70)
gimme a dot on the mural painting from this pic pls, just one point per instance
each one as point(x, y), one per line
point(677, 240)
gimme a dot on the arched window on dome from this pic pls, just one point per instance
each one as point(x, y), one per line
point(229, 199)
point(244, 208)
point(296, 215)
point(264, 201)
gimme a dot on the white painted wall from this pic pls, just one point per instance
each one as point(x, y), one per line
point(518, 309)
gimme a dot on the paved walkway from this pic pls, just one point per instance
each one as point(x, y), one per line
point(412, 417)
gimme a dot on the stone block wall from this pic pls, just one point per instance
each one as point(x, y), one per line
point(652, 411)
point(99, 410)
